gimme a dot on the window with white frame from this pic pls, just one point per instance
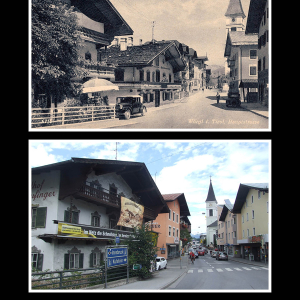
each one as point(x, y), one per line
point(253, 231)
point(170, 230)
point(74, 260)
point(252, 70)
point(173, 231)
point(252, 214)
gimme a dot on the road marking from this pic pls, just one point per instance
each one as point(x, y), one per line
point(255, 268)
point(246, 268)
point(238, 269)
point(264, 268)
point(200, 271)
point(219, 270)
point(209, 270)
point(190, 271)
point(228, 269)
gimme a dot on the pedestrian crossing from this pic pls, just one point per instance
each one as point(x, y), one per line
point(225, 269)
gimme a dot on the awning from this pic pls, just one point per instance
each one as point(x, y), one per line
point(249, 83)
point(98, 85)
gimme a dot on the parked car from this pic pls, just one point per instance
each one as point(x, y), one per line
point(130, 105)
point(161, 263)
point(201, 252)
point(222, 256)
point(213, 254)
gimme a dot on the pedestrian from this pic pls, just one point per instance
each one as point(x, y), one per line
point(192, 256)
point(218, 97)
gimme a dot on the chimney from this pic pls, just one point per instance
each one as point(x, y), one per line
point(141, 42)
point(123, 44)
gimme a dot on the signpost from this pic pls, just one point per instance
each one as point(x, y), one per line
point(116, 256)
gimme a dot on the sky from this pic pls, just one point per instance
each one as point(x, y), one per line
point(176, 166)
point(200, 24)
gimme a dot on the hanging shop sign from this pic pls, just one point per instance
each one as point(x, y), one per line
point(86, 231)
point(131, 213)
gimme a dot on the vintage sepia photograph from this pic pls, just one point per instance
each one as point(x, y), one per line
point(110, 65)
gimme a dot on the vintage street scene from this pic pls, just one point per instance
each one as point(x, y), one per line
point(164, 216)
point(135, 64)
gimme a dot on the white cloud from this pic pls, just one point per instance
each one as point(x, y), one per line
point(40, 155)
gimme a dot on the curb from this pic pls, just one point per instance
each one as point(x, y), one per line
point(172, 281)
point(247, 263)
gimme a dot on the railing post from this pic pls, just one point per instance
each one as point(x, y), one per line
point(60, 280)
point(92, 113)
point(63, 116)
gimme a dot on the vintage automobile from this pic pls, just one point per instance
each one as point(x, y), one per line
point(130, 105)
point(233, 99)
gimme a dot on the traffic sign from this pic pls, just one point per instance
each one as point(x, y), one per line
point(116, 256)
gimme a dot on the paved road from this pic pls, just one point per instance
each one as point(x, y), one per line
point(198, 111)
point(209, 274)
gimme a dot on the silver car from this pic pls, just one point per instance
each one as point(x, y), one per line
point(222, 256)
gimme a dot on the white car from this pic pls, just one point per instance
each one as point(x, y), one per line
point(161, 263)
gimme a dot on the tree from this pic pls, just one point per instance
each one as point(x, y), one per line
point(185, 237)
point(141, 250)
point(55, 41)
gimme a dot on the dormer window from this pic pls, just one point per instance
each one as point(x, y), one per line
point(88, 56)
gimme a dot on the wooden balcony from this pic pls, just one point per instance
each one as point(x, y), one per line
point(96, 196)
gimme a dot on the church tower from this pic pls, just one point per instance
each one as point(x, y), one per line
point(211, 215)
point(235, 17)
point(234, 21)
point(211, 205)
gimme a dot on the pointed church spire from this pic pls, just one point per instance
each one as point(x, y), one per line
point(211, 194)
point(235, 9)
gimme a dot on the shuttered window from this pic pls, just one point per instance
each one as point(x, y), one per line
point(38, 215)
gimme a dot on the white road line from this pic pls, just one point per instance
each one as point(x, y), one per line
point(200, 270)
point(238, 269)
point(219, 270)
point(228, 269)
point(190, 271)
point(264, 268)
point(246, 269)
point(255, 268)
point(209, 270)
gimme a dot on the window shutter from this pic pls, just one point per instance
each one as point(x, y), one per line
point(66, 262)
point(67, 216)
point(91, 260)
point(75, 216)
point(81, 260)
point(40, 262)
point(41, 214)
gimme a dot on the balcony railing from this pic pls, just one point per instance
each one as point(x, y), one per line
point(97, 196)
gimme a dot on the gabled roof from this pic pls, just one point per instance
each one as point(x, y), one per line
point(143, 55)
point(226, 207)
point(243, 192)
point(211, 194)
point(184, 210)
point(235, 9)
point(255, 13)
point(103, 11)
point(239, 38)
point(135, 174)
point(213, 224)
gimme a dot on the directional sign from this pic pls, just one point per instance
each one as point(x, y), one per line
point(116, 256)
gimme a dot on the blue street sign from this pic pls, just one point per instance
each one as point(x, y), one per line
point(117, 240)
point(112, 262)
point(115, 252)
point(116, 256)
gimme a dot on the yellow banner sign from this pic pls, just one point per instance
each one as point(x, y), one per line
point(131, 213)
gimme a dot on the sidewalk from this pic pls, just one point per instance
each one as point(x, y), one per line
point(160, 279)
point(248, 262)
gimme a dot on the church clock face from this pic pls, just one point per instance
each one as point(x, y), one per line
point(209, 205)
